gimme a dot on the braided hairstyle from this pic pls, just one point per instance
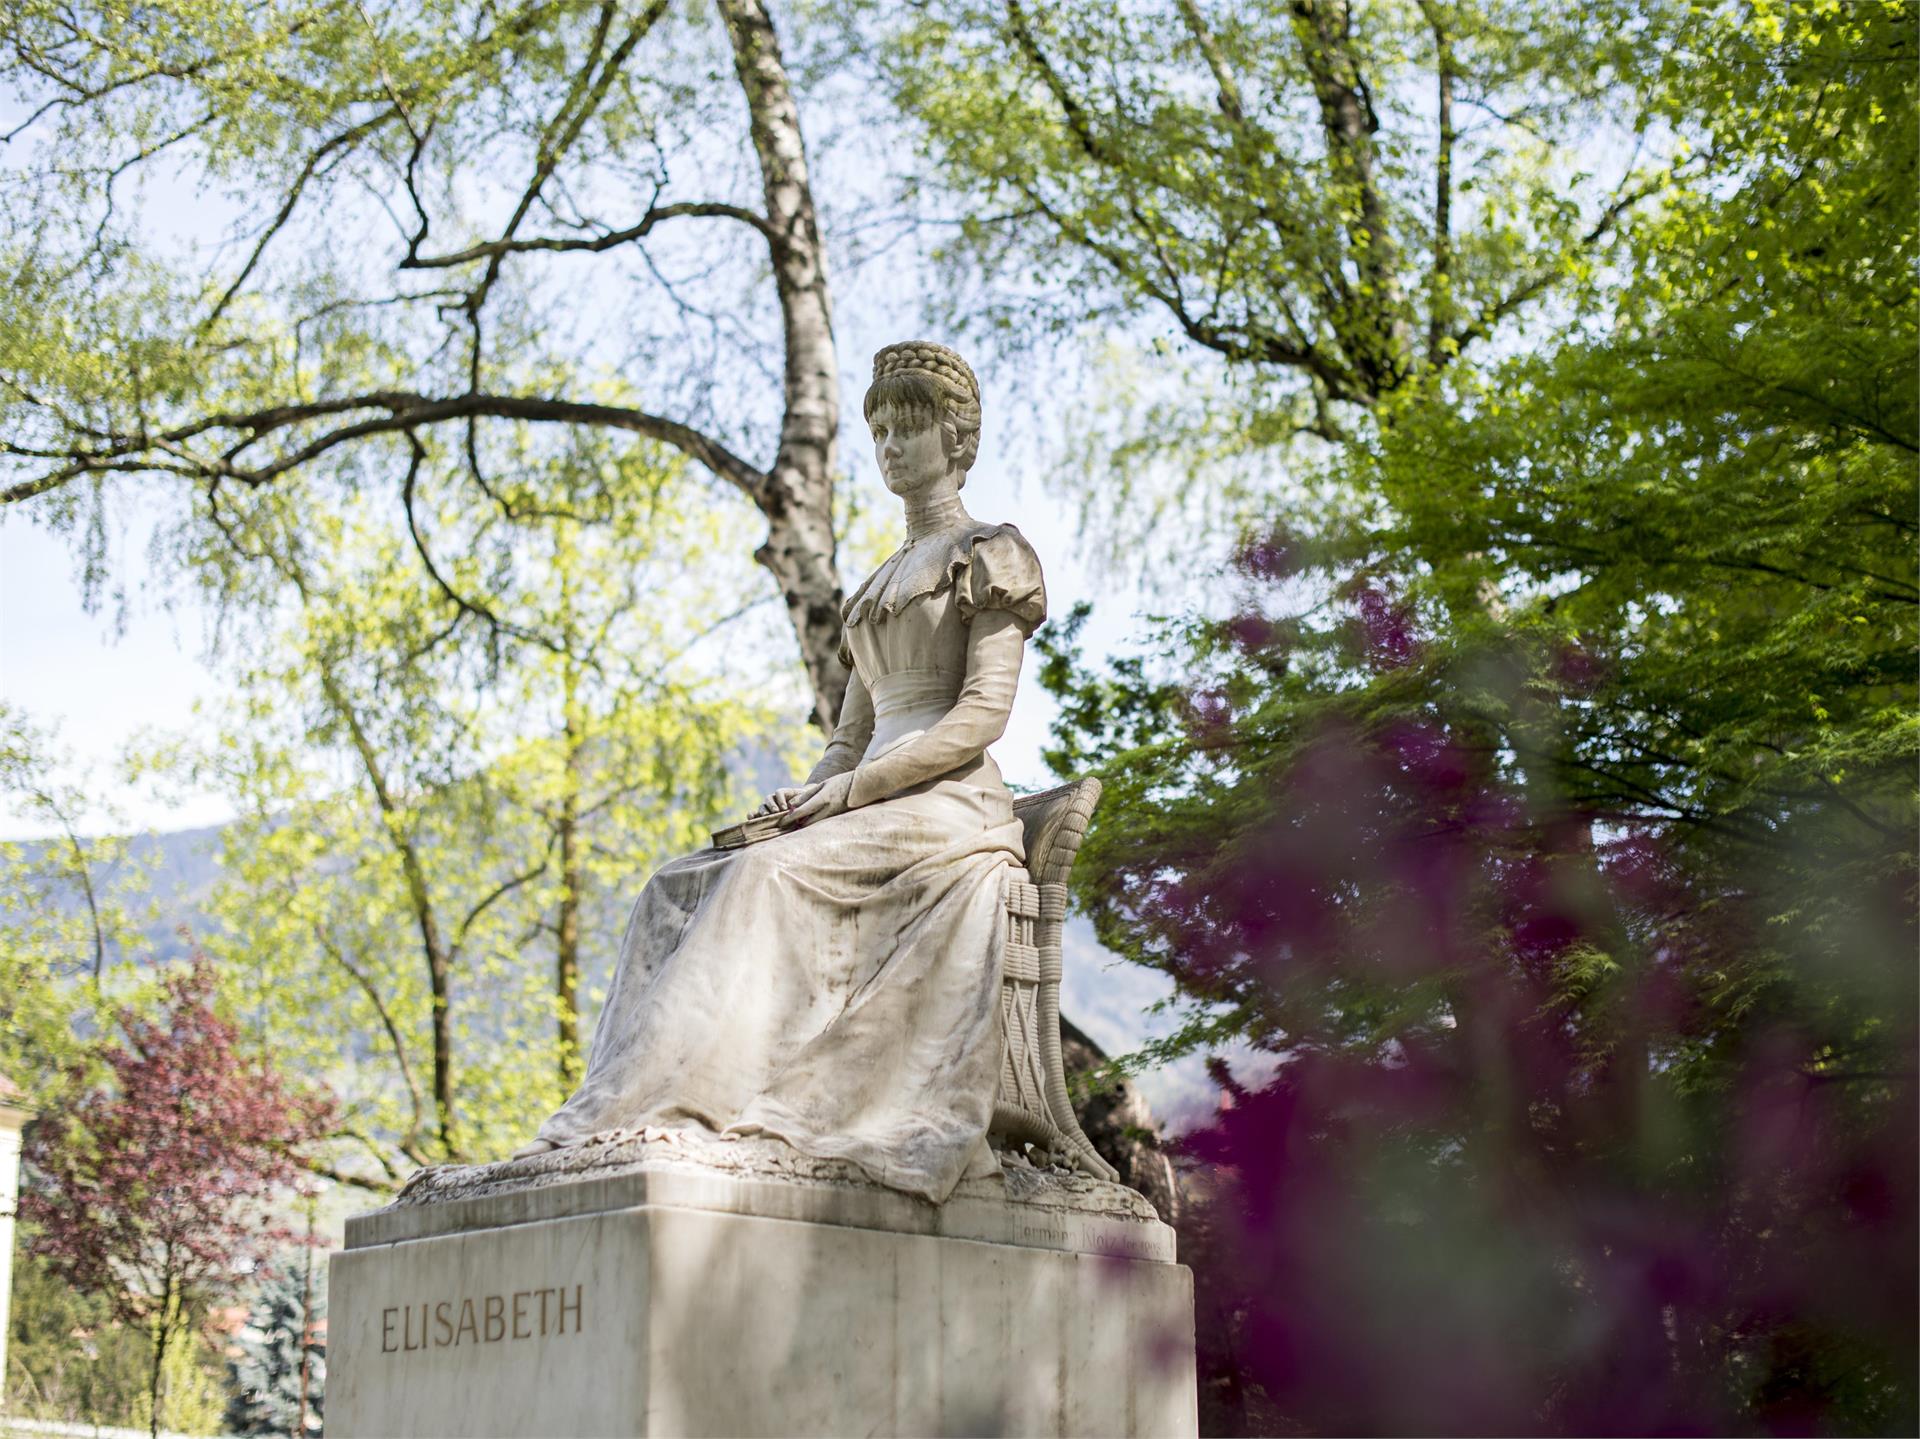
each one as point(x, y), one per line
point(931, 384)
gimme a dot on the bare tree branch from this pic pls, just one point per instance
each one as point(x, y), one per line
point(404, 410)
point(461, 603)
point(372, 993)
point(1536, 284)
point(593, 245)
point(345, 139)
point(1253, 342)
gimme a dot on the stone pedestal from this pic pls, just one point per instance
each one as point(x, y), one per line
point(678, 1288)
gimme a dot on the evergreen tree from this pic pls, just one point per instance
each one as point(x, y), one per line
point(277, 1366)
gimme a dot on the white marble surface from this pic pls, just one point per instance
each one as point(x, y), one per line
point(689, 1169)
point(667, 1295)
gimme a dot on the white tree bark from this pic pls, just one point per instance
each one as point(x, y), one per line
point(797, 496)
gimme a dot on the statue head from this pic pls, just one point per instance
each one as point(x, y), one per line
point(922, 383)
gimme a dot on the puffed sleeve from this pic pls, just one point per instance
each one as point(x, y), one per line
point(1004, 574)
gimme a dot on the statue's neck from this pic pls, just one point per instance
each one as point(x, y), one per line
point(934, 509)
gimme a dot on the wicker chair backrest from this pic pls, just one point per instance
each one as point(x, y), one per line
point(1055, 821)
point(1033, 1106)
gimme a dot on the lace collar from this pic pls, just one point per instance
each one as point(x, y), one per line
point(922, 567)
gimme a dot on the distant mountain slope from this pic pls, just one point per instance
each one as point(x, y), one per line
point(181, 868)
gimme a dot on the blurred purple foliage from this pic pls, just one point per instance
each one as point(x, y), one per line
point(1543, 816)
point(1517, 1173)
point(1593, 1108)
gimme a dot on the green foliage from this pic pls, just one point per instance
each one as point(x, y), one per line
point(257, 247)
point(1705, 519)
point(326, 271)
point(1334, 198)
point(1666, 574)
point(66, 1359)
point(69, 1362)
point(217, 216)
point(1265, 174)
point(1546, 810)
point(72, 911)
point(447, 785)
point(271, 110)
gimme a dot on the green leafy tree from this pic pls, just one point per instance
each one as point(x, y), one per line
point(454, 220)
point(72, 908)
point(67, 1359)
point(1303, 206)
point(431, 252)
point(1548, 818)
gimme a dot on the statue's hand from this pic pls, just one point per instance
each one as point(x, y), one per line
point(829, 797)
point(782, 800)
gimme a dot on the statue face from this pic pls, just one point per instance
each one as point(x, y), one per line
point(911, 451)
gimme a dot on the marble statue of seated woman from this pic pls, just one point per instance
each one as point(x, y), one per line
point(837, 986)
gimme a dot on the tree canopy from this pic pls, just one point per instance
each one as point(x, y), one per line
point(1547, 814)
point(148, 1189)
point(1296, 210)
point(401, 222)
point(437, 833)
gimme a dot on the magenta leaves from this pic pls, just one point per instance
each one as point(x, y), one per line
point(1561, 1138)
point(151, 1185)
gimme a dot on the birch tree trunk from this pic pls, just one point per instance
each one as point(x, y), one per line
point(797, 494)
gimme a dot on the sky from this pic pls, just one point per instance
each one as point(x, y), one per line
point(101, 680)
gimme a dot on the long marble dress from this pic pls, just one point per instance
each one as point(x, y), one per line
point(837, 986)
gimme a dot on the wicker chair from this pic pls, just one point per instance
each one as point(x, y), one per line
point(1032, 1106)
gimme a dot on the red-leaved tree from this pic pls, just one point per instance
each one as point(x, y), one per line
point(149, 1187)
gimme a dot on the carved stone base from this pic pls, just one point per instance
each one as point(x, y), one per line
point(660, 1285)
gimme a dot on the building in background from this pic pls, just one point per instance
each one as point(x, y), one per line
point(14, 1115)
